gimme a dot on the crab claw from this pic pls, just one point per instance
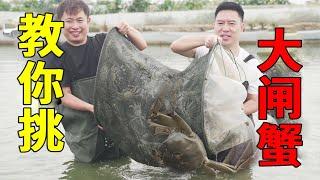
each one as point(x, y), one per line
point(158, 129)
point(214, 165)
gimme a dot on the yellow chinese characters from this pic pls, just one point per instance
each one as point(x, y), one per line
point(34, 28)
point(40, 34)
point(44, 82)
point(39, 127)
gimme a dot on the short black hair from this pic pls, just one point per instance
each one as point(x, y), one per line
point(230, 6)
point(72, 7)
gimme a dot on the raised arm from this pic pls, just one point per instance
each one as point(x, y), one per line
point(134, 35)
point(186, 45)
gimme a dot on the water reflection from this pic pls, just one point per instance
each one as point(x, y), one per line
point(46, 165)
point(100, 170)
point(123, 168)
point(126, 168)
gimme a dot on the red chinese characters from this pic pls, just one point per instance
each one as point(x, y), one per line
point(278, 143)
point(280, 93)
point(280, 46)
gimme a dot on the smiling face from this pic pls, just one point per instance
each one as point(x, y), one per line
point(228, 25)
point(76, 27)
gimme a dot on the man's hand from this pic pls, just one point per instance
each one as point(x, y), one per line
point(133, 35)
point(211, 40)
point(251, 104)
point(123, 28)
point(101, 128)
point(91, 108)
point(74, 102)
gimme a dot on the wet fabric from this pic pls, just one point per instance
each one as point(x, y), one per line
point(225, 124)
point(85, 140)
point(129, 82)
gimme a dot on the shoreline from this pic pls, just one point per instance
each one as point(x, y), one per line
point(161, 28)
point(166, 38)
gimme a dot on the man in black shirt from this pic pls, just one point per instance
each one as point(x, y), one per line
point(79, 61)
point(81, 53)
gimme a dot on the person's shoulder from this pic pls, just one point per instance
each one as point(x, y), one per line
point(252, 58)
point(201, 51)
point(243, 53)
point(96, 38)
point(100, 36)
point(66, 48)
point(52, 61)
point(64, 45)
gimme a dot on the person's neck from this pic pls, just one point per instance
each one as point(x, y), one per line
point(235, 50)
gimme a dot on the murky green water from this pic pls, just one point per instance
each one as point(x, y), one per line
point(46, 165)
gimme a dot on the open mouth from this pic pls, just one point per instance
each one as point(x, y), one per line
point(225, 37)
point(75, 34)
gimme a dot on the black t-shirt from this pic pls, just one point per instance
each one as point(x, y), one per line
point(81, 61)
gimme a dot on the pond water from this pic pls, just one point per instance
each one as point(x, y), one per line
point(47, 165)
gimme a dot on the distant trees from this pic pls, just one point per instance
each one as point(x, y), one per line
point(139, 6)
point(114, 6)
point(107, 6)
point(260, 2)
point(29, 5)
point(4, 6)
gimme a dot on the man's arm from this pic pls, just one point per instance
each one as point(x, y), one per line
point(186, 45)
point(73, 102)
point(133, 35)
point(251, 104)
point(136, 38)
